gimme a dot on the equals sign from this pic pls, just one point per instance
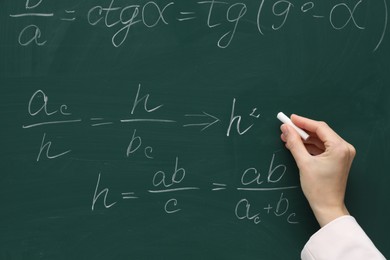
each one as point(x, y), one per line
point(219, 186)
point(69, 19)
point(99, 124)
point(128, 195)
point(187, 16)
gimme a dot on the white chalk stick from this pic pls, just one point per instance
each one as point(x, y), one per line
point(285, 119)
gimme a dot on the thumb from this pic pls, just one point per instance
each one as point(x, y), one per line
point(294, 143)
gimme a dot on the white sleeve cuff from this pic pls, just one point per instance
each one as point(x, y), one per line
point(342, 238)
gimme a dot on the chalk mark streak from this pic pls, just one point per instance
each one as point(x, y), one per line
point(174, 189)
point(268, 189)
point(148, 120)
point(384, 28)
point(128, 195)
point(32, 14)
point(52, 123)
point(220, 186)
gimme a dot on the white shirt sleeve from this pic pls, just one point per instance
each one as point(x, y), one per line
point(342, 238)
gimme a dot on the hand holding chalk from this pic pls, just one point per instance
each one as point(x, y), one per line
point(282, 117)
point(324, 162)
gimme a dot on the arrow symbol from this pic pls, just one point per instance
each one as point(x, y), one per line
point(206, 125)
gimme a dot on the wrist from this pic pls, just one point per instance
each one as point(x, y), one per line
point(328, 214)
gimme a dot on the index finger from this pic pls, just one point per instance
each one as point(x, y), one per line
point(321, 129)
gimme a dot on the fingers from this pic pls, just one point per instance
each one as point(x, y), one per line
point(314, 150)
point(321, 129)
point(313, 145)
point(294, 143)
point(314, 141)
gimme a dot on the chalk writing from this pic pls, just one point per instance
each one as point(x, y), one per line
point(244, 211)
point(102, 123)
point(32, 33)
point(38, 105)
point(185, 16)
point(47, 146)
point(43, 105)
point(386, 14)
point(128, 195)
point(135, 144)
point(164, 182)
point(252, 175)
point(236, 119)
point(104, 192)
point(350, 18)
point(171, 206)
point(137, 14)
point(145, 99)
point(171, 180)
point(247, 215)
point(122, 18)
point(219, 186)
point(225, 40)
point(159, 178)
point(206, 125)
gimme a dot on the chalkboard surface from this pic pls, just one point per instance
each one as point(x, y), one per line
point(148, 130)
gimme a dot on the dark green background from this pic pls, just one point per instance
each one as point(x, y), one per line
point(306, 67)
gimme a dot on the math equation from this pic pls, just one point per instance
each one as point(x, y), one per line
point(43, 110)
point(267, 16)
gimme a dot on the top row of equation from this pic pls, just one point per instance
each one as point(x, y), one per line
point(122, 18)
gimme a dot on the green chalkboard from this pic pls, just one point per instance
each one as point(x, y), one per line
point(147, 129)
